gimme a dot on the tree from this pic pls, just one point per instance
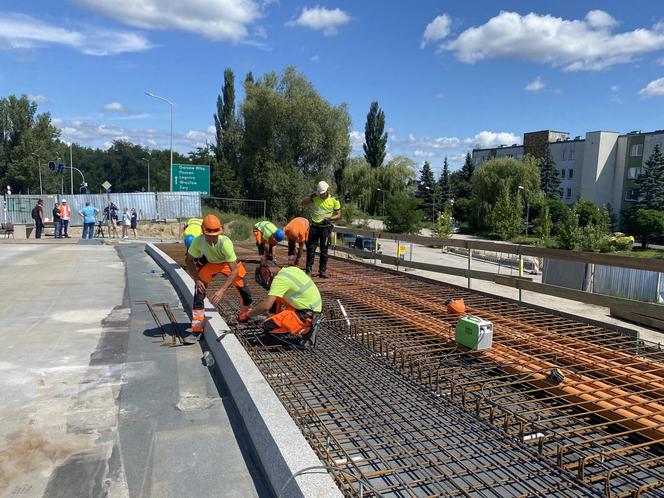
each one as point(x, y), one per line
point(543, 223)
point(375, 139)
point(549, 176)
point(464, 185)
point(444, 184)
point(507, 216)
point(426, 189)
point(568, 233)
point(402, 213)
point(650, 184)
point(292, 139)
point(648, 224)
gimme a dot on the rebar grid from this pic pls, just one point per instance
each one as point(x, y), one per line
point(393, 401)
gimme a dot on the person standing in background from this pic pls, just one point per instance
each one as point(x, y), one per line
point(65, 216)
point(38, 216)
point(56, 220)
point(134, 222)
point(88, 213)
point(125, 221)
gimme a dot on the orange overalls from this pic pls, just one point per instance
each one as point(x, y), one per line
point(288, 320)
point(297, 232)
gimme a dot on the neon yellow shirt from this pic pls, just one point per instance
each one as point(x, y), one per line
point(267, 228)
point(194, 227)
point(324, 208)
point(297, 289)
point(221, 252)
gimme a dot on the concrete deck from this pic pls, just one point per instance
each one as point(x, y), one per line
point(93, 405)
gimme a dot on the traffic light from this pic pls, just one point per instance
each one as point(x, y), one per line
point(51, 165)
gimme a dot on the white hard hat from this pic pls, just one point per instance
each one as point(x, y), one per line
point(63, 200)
point(322, 187)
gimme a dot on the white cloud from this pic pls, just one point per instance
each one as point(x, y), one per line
point(423, 153)
point(115, 107)
point(260, 32)
point(653, 89)
point(615, 88)
point(315, 57)
point(19, 31)
point(486, 139)
point(436, 30)
point(38, 99)
point(573, 45)
point(536, 85)
point(321, 19)
point(214, 19)
point(356, 141)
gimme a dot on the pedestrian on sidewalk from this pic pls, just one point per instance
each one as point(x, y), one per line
point(38, 216)
point(134, 222)
point(56, 220)
point(65, 216)
point(89, 219)
point(126, 222)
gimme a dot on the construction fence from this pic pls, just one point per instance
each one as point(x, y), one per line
point(17, 209)
point(252, 208)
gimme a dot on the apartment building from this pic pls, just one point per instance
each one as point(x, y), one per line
point(602, 167)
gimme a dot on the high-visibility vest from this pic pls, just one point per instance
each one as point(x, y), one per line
point(303, 293)
point(324, 208)
point(194, 227)
point(267, 228)
point(65, 212)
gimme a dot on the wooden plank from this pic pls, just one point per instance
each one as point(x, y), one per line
point(649, 309)
point(636, 318)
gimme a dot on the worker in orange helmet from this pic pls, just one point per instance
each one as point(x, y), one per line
point(214, 254)
point(297, 232)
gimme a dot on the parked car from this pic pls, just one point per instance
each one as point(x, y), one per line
point(367, 244)
point(348, 239)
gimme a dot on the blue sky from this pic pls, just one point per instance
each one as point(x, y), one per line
point(449, 75)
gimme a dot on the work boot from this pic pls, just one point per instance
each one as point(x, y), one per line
point(308, 270)
point(323, 274)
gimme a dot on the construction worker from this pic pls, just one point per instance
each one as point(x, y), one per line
point(65, 216)
point(210, 254)
point(326, 209)
point(192, 229)
point(294, 303)
point(267, 235)
point(297, 232)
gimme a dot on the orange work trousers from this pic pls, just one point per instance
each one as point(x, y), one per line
point(287, 321)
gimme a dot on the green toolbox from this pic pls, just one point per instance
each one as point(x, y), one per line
point(474, 333)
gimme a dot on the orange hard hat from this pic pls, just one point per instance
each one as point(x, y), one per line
point(455, 306)
point(211, 225)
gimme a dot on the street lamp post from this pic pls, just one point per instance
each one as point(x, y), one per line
point(521, 187)
point(433, 204)
point(170, 173)
point(383, 196)
point(41, 190)
point(148, 161)
point(71, 165)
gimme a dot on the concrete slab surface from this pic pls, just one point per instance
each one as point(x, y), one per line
point(92, 404)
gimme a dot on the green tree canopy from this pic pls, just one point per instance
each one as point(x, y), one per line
point(648, 224)
point(463, 186)
point(444, 184)
point(506, 171)
point(651, 183)
point(549, 176)
point(375, 137)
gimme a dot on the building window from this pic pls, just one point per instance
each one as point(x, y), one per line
point(632, 194)
point(571, 174)
point(634, 173)
point(562, 173)
point(569, 193)
point(571, 156)
point(637, 150)
point(563, 156)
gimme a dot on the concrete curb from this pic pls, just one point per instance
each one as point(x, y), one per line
point(279, 444)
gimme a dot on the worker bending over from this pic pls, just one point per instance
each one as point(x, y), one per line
point(297, 232)
point(326, 209)
point(192, 229)
point(267, 235)
point(210, 254)
point(294, 301)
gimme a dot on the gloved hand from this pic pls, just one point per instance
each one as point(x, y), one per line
point(243, 316)
point(327, 221)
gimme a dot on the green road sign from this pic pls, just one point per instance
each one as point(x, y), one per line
point(191, 178)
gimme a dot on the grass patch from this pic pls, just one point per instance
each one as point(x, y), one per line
point(528, 241)
point(237, 227)
point(642, 253)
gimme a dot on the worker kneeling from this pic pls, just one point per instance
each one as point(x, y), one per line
point(267, 236)
point(294, 301)
point(208, 255)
